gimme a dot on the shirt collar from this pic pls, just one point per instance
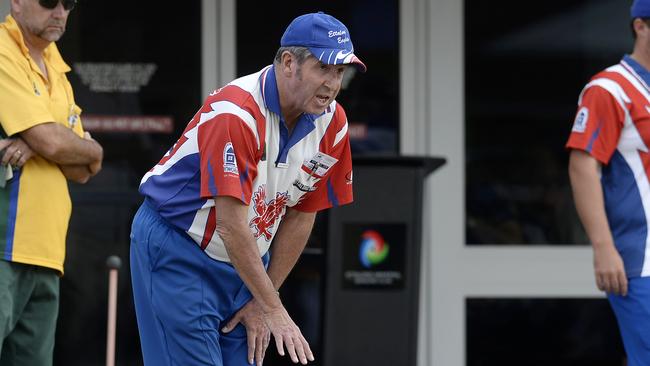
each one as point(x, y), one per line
point(51, 52)
point(271, 94)
point(640, 70)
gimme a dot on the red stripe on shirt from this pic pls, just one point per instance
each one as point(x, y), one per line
point(245, 101)
point(210, 226)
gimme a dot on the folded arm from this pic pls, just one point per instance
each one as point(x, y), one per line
point(79, 158)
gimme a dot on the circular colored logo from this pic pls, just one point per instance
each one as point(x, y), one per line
point(374, 249)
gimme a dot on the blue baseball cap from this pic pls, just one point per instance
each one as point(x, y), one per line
point(640, 9)
point(325, 37)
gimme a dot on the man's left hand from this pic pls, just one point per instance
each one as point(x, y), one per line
point(257, 333)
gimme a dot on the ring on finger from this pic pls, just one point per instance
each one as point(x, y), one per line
point(19, 152)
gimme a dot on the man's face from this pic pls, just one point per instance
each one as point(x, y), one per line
point(315, 85)
point(47, 24)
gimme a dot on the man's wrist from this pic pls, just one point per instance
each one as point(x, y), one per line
point(272, 304)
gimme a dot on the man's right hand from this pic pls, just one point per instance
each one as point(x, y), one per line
point(96, 165)
point(610, 270)
point(257, 333)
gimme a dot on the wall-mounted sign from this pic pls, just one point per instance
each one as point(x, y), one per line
point(152, 124)
point(107, 77)
point(374, 255)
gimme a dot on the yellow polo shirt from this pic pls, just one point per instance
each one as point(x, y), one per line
point(35, 204)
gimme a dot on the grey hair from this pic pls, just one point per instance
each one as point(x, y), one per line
point(301, 53)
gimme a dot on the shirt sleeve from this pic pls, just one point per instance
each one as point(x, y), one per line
point(23, 104)
point(228, 153)
point(598, 124)
point(335, 188)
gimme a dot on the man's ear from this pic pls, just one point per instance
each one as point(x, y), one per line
point(287, 62)
point(639, 26)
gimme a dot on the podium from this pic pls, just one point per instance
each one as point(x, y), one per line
point(372, 265)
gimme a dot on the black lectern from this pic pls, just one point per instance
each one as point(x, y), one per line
point(373, 265)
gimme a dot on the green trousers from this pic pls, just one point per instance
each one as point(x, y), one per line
point(29, 306)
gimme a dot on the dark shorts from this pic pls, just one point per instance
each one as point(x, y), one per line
point(29, 306)
point(182, 298)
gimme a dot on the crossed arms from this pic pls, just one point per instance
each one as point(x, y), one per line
point(79, 158)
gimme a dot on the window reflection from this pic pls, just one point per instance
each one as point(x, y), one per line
point(524, 72)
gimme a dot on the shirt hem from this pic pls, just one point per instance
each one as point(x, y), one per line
point(35, 261)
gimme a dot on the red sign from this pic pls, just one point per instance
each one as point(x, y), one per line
point(357, 131)
point(127, 124)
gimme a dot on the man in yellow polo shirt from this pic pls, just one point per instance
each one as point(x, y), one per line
point(44, 145)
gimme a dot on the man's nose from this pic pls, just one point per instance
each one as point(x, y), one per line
point(333, 80)
point(59, 11)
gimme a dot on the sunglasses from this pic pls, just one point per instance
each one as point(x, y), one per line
point(51, 4)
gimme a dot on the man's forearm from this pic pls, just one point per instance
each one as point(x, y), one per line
point(243, 252)
point(61, 145)
point(288, 244)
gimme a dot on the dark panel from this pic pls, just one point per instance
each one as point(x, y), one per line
point(537, 332)
point(524, 71)
point(371, 309)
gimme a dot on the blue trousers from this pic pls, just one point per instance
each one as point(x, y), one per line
point(183, 298)
point(633, 316)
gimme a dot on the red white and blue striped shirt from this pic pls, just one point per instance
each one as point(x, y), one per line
point(613, 125)
point(238, 145)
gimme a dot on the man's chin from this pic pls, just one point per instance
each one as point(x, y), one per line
point(317, 110)
point(51, 36)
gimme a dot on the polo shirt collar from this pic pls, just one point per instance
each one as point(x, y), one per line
point(640, 70)
point(51, 52)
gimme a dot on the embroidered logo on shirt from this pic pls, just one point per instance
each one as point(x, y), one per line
point(580, 123)
point(72, 120)
point(266, 214)
point(229, 159)
point(319, 165)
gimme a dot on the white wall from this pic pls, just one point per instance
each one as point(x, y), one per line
point(218, 47)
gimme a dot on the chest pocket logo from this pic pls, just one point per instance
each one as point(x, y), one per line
point(319, 165)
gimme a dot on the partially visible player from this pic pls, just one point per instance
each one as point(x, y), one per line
point(254, 165)
point(610, 169)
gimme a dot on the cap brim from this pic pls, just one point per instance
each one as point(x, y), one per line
point(333, 56)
